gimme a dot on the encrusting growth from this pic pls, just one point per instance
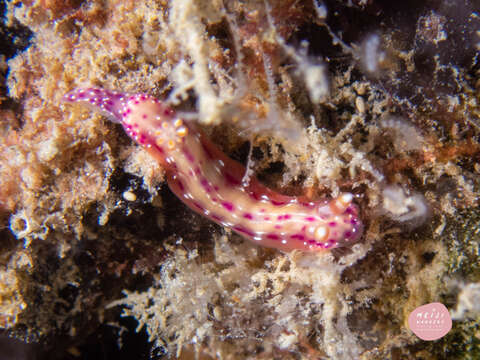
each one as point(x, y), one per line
point(210, 183)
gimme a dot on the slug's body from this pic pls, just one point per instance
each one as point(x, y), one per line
point(210, 183)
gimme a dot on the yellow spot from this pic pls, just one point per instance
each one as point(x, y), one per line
point(340, 204)
point(159, 141)
point(165, 125)
point(171, 144)
point(321, 233)
point(178, 123)
point(346, 198)
point(158, 133)
point(182, 131)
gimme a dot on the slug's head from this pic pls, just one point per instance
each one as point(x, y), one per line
point(149, 122)
point(144, 118)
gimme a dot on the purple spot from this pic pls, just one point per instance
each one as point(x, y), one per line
point(180, 186)
point(297, 237)
point(266, 218)
point(278, 203)
point(332, 224)
point(216, 217)
point(262, 210)
point(129, 111)
point(136, 102)
point(198, 205)
point(143, 97)
point(231, 179)
point(248, 216)
point(188, 155)
point(197, 171)
point(109, 102)
point(273, 237)
point(278, 226)
point(205, 185)
point(167, 112)
point(307, 205)
point(311, 241)
point(81, 95)
point(92, 101)
point(329, 244)
point(310, 218)
point(255, 196)
point(286, 217)
point(347, 234)
point(353, 221)
point(216, 188)
point(96, 91)
point(144, 116)
point(229, 206)
point(243, 230)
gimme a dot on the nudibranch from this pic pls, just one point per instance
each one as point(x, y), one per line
point(210, 183)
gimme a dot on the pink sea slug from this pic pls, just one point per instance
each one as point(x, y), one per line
point(210, 183)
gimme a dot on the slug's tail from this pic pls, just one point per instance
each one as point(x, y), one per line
point(109, 103)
